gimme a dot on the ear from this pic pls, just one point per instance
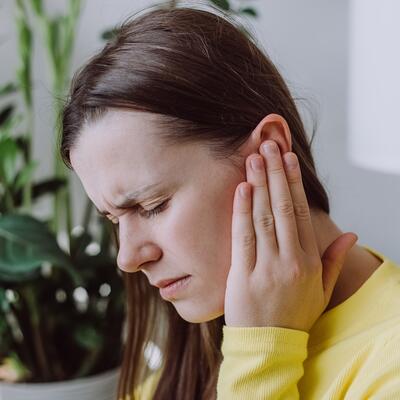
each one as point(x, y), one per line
point(271, 127)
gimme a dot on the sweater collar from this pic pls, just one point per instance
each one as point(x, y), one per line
point(377, 300)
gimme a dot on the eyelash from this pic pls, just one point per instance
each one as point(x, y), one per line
point(152, 212)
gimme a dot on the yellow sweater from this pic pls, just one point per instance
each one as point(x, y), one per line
point(352, 351)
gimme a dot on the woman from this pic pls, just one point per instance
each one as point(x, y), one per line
point(273, 301)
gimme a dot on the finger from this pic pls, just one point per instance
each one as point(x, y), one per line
point(281, 200)
point(333, 260)
point(302, 213)
point(263, 219)
point(243, 237)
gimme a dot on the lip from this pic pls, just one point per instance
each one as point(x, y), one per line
point(172, 289)
point(165, 282)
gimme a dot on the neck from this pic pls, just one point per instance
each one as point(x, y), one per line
point(358, 265)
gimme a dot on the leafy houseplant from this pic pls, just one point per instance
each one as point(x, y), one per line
point(61, 295)
point(61, 309)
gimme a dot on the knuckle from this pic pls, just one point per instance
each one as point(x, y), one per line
point(275, 170)
point(265, 221)
point(296, 273)
point(242, 212)
point(293, 177)
point(247, 241)
point(301, 210)
point(285, 208)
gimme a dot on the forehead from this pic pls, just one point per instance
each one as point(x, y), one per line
point(120, 144)
point(122, 151)
point(118, 133)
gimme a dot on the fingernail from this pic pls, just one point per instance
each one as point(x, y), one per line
point(256, 163)
point(270, 147)
point(290, 160)
point(244, 191)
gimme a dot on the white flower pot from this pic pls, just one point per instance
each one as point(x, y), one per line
point(97, 387)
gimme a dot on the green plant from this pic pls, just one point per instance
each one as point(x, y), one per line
point(61, 310)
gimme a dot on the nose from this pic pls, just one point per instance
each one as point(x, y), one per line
point(135, 250)
point(131, 259)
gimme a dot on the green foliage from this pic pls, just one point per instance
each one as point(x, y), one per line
point(88, 337)
point(37, 5)
point(25, 174)
point(8, 88)
point(25, 244)
point(249, 11)
point(24, 46)
point(109, 34)
point(222, 4)
point(62, 340)
point(16, 169)
point(44, 330)
point(8, 157)
point(6, 113)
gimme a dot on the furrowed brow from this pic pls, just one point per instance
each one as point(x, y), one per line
point(131, 199)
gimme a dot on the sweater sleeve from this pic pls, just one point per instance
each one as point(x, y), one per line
point(378, 378)
point(261, 363)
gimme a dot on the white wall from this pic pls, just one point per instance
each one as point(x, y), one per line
point(308, 40)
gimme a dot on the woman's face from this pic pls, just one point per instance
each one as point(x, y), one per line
point(191, 235)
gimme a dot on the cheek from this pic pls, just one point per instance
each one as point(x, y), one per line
point(200, 232)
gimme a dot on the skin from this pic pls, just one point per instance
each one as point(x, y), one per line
point(193, 234)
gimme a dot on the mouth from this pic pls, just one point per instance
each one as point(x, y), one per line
point(166, 282)
point(175, 287)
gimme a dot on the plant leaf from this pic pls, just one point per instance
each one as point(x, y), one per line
point(23, 144)
point(8, 88)
point(88, 337)
point(8, 158)
point(49, 186)
point(74, 8)
point(249, 11)
point(4, 305)
point(9, 125)
point(19, 277)
point(54, 32)
point(25, 52)
point(79, 244)
point(6, 113)
point(223, 4)
point(25, 243)
point(109, 34)
point(37, 6)
point(25, 175)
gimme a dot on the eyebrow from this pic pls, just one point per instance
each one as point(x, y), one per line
point(131, 199)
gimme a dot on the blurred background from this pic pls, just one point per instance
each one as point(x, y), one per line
point(309, 42)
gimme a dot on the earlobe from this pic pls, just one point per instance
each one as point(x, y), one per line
point(274, 127)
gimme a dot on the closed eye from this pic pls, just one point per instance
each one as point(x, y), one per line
point(146, 213)
point(151, 213)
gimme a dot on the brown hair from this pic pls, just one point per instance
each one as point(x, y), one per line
point(209, 83)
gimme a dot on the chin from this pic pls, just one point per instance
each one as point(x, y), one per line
point(197, 315)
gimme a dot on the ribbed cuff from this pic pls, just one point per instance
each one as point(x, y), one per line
point(239, 340)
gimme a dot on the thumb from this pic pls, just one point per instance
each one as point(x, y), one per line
point(333, 260)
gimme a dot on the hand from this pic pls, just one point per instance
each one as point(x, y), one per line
point(277, 277)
